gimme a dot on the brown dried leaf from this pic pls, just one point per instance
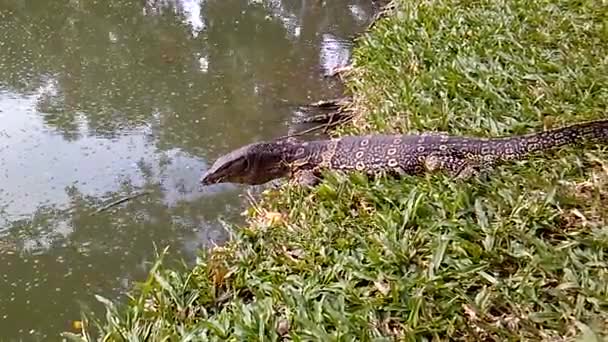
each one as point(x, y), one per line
point(382, 287)
point(469, 312)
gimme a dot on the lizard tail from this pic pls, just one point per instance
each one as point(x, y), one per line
point(586, 132)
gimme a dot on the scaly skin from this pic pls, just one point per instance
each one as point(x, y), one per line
point(460, 157)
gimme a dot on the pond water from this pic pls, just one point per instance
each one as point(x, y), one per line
point(102, 99)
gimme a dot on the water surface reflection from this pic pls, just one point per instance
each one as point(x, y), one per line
point(101, 99)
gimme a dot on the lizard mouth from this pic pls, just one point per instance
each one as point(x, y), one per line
point(206, 179)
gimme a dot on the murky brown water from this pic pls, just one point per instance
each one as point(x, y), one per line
point(100, 99)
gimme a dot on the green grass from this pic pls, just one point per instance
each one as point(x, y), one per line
point(519, 256)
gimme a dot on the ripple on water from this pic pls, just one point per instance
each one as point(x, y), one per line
point(41, 164)
point(138, 100)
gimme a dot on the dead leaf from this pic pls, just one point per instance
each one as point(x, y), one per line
point(77, 325)
point(382, 287)
point(273, 218)
point(470, 312)
point(283, 327)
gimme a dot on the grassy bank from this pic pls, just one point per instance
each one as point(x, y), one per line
point(522, 255)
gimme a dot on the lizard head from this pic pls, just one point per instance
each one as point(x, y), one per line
point(251, 164)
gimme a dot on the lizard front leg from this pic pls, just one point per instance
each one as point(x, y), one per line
point(305, 178)
point(301, 174)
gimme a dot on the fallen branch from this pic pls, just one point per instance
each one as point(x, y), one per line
point(325, 126)
point(121, 200)
point(327, 118)
point(339, 70)
point(330, 104)
point(306, 131)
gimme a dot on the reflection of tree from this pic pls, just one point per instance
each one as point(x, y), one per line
point(116, 66)
point(72, 254)
point(77, 221)
point(103, 67)
point(108, 65)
